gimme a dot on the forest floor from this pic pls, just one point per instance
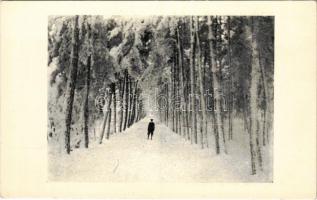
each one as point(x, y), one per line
point(130, 157)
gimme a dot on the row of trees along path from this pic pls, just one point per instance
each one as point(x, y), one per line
point(102, 71)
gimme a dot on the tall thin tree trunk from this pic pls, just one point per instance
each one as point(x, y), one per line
point(258, 145)
point(192, 79)
point(265, 94)
point(176, 89)
point(126, 101)
point(71, 83)
point(130, 102)
point(173, 96)
point(187, 121)
point(219, 87)
point(204, 87)
point(214, 70)
point(181, 74)
point(109, 117)
point(133, 103)
point(213, 109)
point(121, 103)
point(255, 78)
point(230, 110)
point(200, 80)
point(106, 114)
point(114, 108)
point(187, 104)
point(246, 122)
point(136, 107)
point(86, 104)
point(167, 106)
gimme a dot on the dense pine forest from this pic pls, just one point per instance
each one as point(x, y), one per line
point(205, 80)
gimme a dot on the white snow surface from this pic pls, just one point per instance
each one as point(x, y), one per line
point(130, 157)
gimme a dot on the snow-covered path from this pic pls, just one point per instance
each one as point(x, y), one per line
point(130, 157)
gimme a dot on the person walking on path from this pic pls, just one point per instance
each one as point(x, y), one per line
point(150, 129)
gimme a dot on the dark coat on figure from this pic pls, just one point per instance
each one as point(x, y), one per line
point(151, 127)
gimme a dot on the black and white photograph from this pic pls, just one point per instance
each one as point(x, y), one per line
point(160, 98)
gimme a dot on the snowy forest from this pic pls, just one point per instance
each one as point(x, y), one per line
point(206, 81)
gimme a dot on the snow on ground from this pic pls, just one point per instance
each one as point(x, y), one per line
point(130, 157)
